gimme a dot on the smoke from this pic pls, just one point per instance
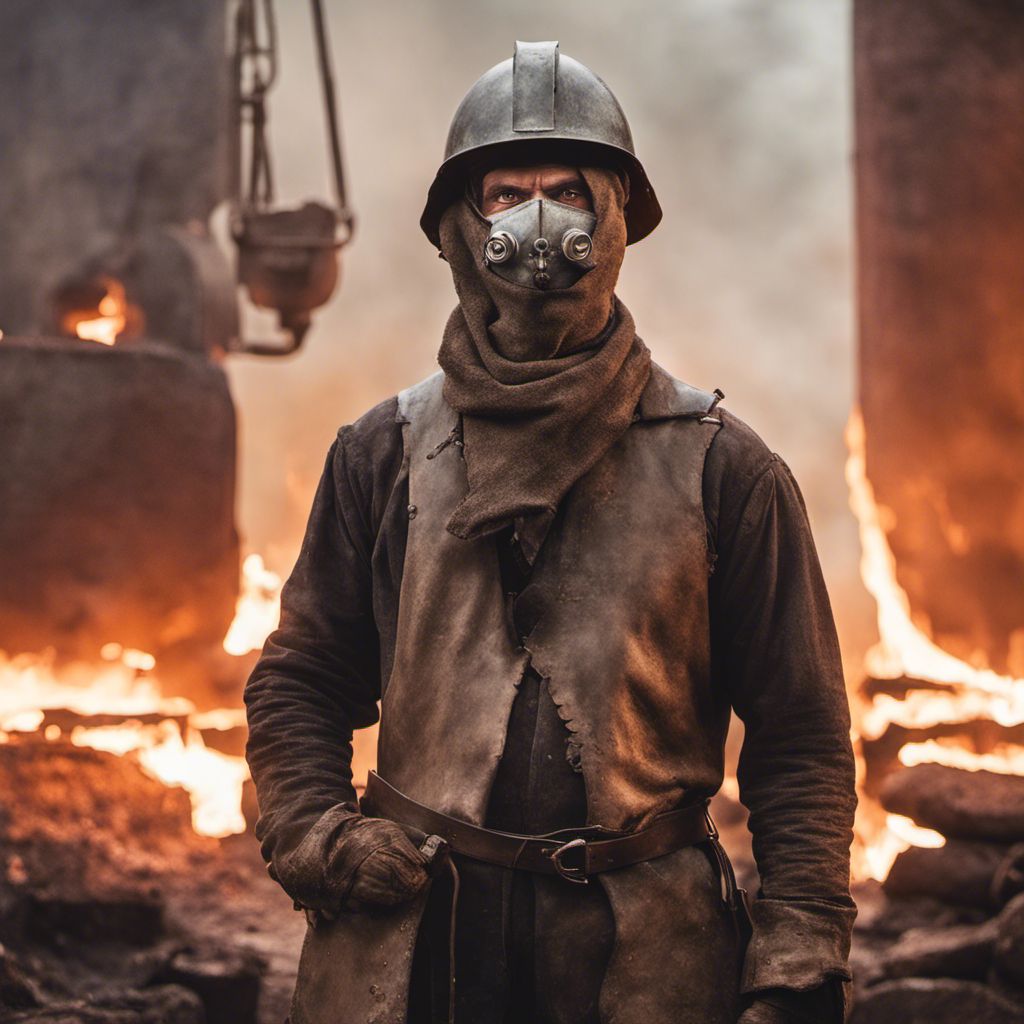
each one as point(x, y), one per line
point(741, 112)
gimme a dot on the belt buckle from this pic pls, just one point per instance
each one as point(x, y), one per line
point(578, 876)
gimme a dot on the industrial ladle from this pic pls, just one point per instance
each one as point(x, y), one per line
point(287, 258)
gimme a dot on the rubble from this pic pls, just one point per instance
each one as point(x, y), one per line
point(133, 917)
point(961, 872)
point(881, 753)
point(17, 990)
point(943, 935)
point(167, 1004)
point(113, 911)
point(1009, 948)
point(962, 951)
point(959, 804)
point(227, 982)
point(934, 1001)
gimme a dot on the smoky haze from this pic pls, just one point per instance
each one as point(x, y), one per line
point(741, 113)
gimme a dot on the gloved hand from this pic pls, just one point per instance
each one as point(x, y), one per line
point(347, 861)
point(384, 866)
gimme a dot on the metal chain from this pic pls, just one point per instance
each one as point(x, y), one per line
point(256, 71)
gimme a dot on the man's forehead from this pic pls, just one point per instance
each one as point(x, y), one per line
point(532, 172)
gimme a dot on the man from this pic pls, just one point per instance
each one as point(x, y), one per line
point(557, 568)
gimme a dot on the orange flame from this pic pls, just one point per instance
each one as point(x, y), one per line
point(112, 319)
point(168, 751)
point(905, 648)
point(258, 608)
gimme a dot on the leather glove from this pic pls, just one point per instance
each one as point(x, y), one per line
point(384, 866)
point(347, 861)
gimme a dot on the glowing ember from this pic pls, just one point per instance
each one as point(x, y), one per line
point(171, 748)
point(904, 648)
point(1004, 758)
point(258, 609)
point(220, 719)
point(113, 316)
point(213, 780)
point(29, 686)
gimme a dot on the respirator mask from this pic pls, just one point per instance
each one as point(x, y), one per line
point(541, 244)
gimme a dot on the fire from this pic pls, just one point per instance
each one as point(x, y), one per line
point(904, 648)
point(163, 733)
point(258, 609)
point(1004, 758)
point(213, 780)
point(897, 835)
point(112, 319)
point(29, 686)
point(171, 748)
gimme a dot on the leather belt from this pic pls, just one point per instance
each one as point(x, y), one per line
point(574, 853)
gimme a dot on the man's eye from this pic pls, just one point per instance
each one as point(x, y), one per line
point(508, 197)
point(570, 193)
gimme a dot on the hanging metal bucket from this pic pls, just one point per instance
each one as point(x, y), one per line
point(288, 262)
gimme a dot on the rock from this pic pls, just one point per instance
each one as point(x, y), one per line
point(1009, 948)
point(960, 873)
point(168, 1004)
point(227, 982)
point(934, 1001)
point(83, 820)
point(135, 918)
point(889, 917)
point(957, 803)
point(1004, 989)
point(17, 990)
point(1009, 879)
point(881, 753)
point(901, 686)
point(74, 1013)
point(867, 961)
point(963, 951)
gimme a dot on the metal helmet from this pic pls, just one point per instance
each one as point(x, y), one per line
point(546, 101)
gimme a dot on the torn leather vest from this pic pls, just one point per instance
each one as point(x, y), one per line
point(623, 640)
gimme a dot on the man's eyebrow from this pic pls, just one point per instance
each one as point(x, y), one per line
point(505, 186)
point(575, 182)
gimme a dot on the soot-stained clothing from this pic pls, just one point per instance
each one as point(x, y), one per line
point(773, 647)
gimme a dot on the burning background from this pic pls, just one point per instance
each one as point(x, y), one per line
point(124, 535)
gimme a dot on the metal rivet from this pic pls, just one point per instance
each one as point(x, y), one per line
point(412, 511)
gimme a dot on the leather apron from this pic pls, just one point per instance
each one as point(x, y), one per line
point(623, 640)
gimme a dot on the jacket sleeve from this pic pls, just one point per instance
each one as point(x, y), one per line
point(318, 677)
point(775, 648)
